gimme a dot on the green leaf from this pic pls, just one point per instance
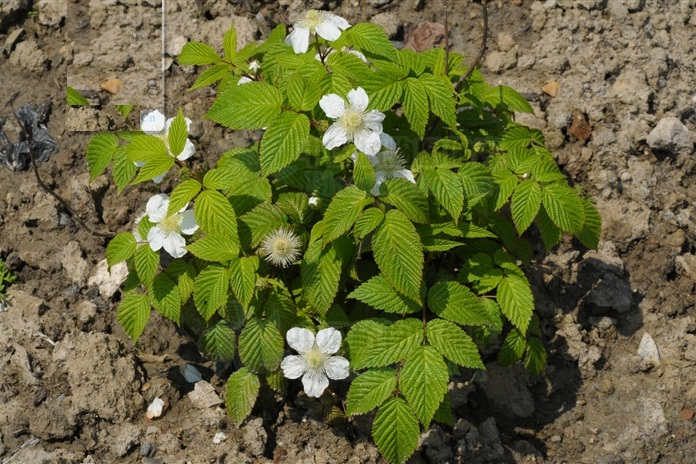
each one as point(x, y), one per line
point(456, 303)
point(526, 201)
point(211, 75)
point(243, 278)
point(369, 390)
point(165, 297)
point(75, 98)
point(100, 151)
point(303, 92)
point(321, 273)
point(153, 168)
point(384, 90)
point(508, 98)
point(512, 348)
point(218, 342)
point(507, 182)
point(133, 314)
point(360, 339)
point(368, 221)
point(416, 105)
point(242, 390)
point(120, 248)
point(283, 141)
point(250, 106)
point(453, 343)
point(215, 248)
point(146, 149)
point(260, 345)
point(550, 233)
point(477, 182)
point(344, 209)
point(124, 110)
point(183, 274)
point(564, 207)
point(215, 215)
point(229, 43)
point(146, 263)
point(182, 195)
point(364, 173)
point(177, 134)
point(516, 301)
point(377, 293)
point(441, 96)
point(210, 290)
point(198, 53)
point(261, 221)
point(371, 38)
point(395, 430)
point(123, 169)
point(535, 357)
point(447, 189)
point(592, 227)
point(423, 382)
point(443, 414)
point(394, 344)
point(399, 253)
point(280, 309)
point(407, 197)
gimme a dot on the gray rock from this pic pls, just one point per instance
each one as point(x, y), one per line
point(125, 439)
point(387, 21)
point(108, 282)
point(612, 293)
point(686, 264)
point(51, 13)
point(634, 6)
point(500, 61)
point(74, 264)
point(255, 437)
point(12, 39)
point(670, 135)
point(435, 444)
point(204, 395)
point(148, 449)
point(506, 389)
point(174, 45)
point(29, 56)
point(647, 350)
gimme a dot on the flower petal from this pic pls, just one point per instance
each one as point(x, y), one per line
point(380, 177)
point(334, 137)
point(188, 151)
point(174, 245)
point(373, 120)
point(337, 21)
point(300, 340)
point(329, 340)
point(388, 141)
point(299, 39)
point(358, 99)
point(156, 207)
point(333, 105)
point(156, 238)
point(367, 141)
point(158, 179)
point(152, 122)
point(314, 383)
point(293, 367)
point(336, 367)
point(405, 174)
point(328, 31)
point(243, 80)
point(188, 224)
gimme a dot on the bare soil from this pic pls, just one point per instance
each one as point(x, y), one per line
point(74, 389)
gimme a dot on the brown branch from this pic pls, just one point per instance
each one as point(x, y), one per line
point(447, 45)
point(41, 183)
point(482, 51)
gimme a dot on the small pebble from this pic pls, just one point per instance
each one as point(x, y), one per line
point(113, 85)
point(155, 409)
point(687, 414)
point(551, 89)
point(148, 449)
point(219, 438)
point(647, 350)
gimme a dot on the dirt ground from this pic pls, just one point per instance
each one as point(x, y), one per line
point(74, 389)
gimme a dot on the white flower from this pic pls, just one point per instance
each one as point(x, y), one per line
point(314, 202)
point(166, 231)
point(254, 67)
point(352, 124)
point(388, 164)
point(154, 123)
point(155, 408)
point(281, 247)
point(323, 23)
point(315, 363)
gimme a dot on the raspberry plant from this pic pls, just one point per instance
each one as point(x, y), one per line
point(388, 198)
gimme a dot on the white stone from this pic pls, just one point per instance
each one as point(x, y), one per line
point(670, 135)
point(219, 438)
point(155, 409)
point(108, 282)
point(647, 349)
